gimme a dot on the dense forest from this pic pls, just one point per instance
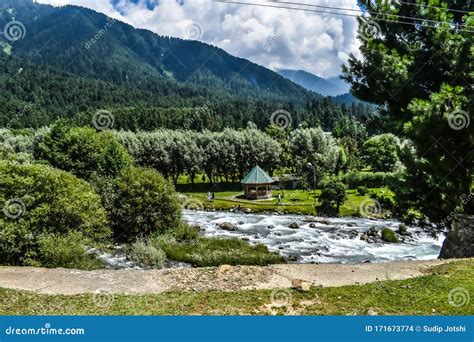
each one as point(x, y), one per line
point(147, 81)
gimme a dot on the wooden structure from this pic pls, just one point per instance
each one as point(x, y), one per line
point(257, 184)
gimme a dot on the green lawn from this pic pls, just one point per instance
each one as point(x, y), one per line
point(294, 201)
point(445, 290)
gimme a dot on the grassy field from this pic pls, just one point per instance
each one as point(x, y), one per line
point(444, 290)
point(293, 202)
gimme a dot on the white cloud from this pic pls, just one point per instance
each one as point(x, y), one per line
point(276, 38)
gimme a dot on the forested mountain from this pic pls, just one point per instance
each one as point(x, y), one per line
point(71, 61)
point(327, 87)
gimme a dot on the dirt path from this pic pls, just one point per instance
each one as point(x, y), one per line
point(227, 278)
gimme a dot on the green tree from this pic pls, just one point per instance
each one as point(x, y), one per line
point(421, 77)
point(37, 200)
point(143, 202)
point(332, 195)
point(82, 151)
point(381, 152)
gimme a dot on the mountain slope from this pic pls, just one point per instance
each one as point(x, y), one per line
point(90, 44)
point(327, 87)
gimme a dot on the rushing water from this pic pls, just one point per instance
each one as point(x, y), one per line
point(336, 240)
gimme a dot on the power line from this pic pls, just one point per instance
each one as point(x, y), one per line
point(430, 6)
point(359, 11)
point(335, 13)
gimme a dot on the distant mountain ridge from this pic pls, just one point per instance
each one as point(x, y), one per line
point(88, 43)
point(326, 87)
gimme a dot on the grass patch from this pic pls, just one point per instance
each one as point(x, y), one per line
point(293, 202)
point(203, 252)
point(426, 295)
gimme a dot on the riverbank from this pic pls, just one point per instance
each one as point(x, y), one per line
point(419, 287)
point(295, 202)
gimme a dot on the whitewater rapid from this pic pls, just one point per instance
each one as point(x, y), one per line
point(333, 240)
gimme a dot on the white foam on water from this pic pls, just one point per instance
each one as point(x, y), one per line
point(338, 241)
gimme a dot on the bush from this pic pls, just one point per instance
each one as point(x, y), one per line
point(82, 151)
point(143, 203)
point(389, 235)
point(362, 190)
point(333, 194)
point(185, 232)
point(369, 179)
point(66, 251)
point(146, 255)
point(37, 200)
point(381, 152)
point(205, 252)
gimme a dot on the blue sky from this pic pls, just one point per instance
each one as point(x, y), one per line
point(275, 38)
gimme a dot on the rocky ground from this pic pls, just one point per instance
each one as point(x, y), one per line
point(225, 278)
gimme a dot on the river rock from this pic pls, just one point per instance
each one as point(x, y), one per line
point(312, 225)
point(294, 225)
point(316, 219)
point(460, 240)
point(228, 226)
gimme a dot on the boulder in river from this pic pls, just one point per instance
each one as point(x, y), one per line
point(228, 226)
point(294, 225)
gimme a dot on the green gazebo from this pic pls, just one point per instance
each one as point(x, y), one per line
point(257, 184)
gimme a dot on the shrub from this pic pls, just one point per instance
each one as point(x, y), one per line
point(37, 200)
point(389, 235)
point(362, 190)
point(82, 151)
point(144, 202)
point(205, 252)
point(333, 194)
point(66, 251)
point(185, 232)
point(370, 179)
point(146, 255)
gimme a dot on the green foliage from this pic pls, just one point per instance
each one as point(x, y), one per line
point(332, 194)
point(314, 146)
point(66, 251)
point(426, 99)
point(362, 190)
point(389, 235)
point(146, 255)
point(143, 203)
point(205, 252)
point(82, 151)
point(381, 152)
point(184, 232)
point(355, 179)
point(40, 199)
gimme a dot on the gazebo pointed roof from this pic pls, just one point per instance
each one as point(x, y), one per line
point(257, 176)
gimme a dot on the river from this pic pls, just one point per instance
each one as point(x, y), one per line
point(333, 240)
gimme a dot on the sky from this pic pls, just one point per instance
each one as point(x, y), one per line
point(275, 38)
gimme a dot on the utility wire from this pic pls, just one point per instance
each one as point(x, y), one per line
point(359, 11)
point(335, 13)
